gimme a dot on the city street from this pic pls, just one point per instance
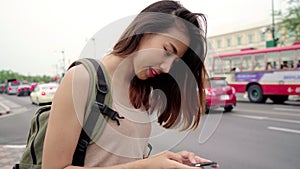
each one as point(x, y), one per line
point(252, 136)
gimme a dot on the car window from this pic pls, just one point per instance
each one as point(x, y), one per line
point(14, 83)
point(218, 83)
point(48, 87)
point(36, 89)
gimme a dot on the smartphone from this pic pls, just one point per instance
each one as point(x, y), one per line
point(203, 164)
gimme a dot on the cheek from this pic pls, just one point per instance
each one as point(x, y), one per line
point(146, 58)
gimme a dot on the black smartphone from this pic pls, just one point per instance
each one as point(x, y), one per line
point(203, 164)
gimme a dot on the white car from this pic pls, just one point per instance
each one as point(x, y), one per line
point(12, 87)
point(43, 93)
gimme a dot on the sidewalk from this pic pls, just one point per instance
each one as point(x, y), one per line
point(9, 155)
point(4, 109)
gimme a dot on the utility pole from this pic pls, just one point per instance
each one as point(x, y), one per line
point(273, 22)
point(273, 42)
point(63, 62)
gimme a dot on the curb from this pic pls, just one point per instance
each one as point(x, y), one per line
point(6, 109)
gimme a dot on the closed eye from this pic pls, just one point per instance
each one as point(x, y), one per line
point(167, 53)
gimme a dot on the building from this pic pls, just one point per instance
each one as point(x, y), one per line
point(252, 37)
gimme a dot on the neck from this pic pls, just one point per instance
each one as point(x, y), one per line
point(121, 65)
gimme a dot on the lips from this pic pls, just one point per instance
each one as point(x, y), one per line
point(152, 72)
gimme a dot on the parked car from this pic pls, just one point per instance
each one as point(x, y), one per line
point(2, 88)
point(32, 86)
point(43, 93)
point(220, 94)
point(12, 87)
point(23, 90)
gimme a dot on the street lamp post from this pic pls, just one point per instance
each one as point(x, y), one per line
point(94, 44)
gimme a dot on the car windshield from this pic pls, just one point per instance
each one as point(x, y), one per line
point(218, 83)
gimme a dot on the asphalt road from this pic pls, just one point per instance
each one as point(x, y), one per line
point(252, 136)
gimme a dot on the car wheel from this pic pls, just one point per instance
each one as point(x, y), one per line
point(228, 108)
point(255, 94)
point(207, 109)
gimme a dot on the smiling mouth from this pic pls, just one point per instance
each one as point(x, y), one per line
point(152, 72)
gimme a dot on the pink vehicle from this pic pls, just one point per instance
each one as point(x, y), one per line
point(220, 94)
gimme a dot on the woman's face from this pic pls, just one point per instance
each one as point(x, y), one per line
point(157, 53)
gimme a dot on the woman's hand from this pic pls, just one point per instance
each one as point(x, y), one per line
point(191, 158)
point(170, 160)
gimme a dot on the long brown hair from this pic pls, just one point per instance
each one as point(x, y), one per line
point(181, 95)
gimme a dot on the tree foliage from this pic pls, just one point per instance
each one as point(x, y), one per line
point(8, 74)
point(290, 20)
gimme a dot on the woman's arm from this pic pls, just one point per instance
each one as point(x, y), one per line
point(64, 125)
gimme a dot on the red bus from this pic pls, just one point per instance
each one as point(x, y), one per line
point(262, 73)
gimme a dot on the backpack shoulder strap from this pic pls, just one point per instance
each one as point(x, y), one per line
point(95, 109)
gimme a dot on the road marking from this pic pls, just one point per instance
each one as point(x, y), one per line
point(267, 118)
point(284, 129)
point(11, 104)
point(285, 120)
point(14, 112)
point(268, 112)
point(14, 146)
point(251, 117)
point(285, 109)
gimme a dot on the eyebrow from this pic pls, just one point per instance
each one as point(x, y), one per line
point(173, 47)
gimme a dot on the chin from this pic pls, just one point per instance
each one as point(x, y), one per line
point(142, 77)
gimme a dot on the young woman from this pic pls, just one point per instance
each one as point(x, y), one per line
point(162, 36)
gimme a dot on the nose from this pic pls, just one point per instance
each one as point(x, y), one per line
point(166, 65)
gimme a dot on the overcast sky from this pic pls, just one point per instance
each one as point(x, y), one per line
point(34, 32)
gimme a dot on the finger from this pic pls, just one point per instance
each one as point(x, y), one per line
point(215, 166)
point(174, 156)
point(188, 157)
point(183, 166)
point(201, 160)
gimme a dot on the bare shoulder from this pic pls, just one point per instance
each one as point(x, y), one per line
point(73, 90)
point(66, 116)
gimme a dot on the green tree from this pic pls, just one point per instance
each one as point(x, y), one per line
point(8, 74)
point(290, 20)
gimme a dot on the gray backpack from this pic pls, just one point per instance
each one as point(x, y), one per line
point(96, 115)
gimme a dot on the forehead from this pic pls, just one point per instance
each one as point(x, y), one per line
point(178, 38)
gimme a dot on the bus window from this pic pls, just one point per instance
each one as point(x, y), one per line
point(259, 61)
point(272, 60)
point(208, 63)
point(226, 65)
point(236, 63)
point(287, 59)
point(246, 63)
point(217, 65)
